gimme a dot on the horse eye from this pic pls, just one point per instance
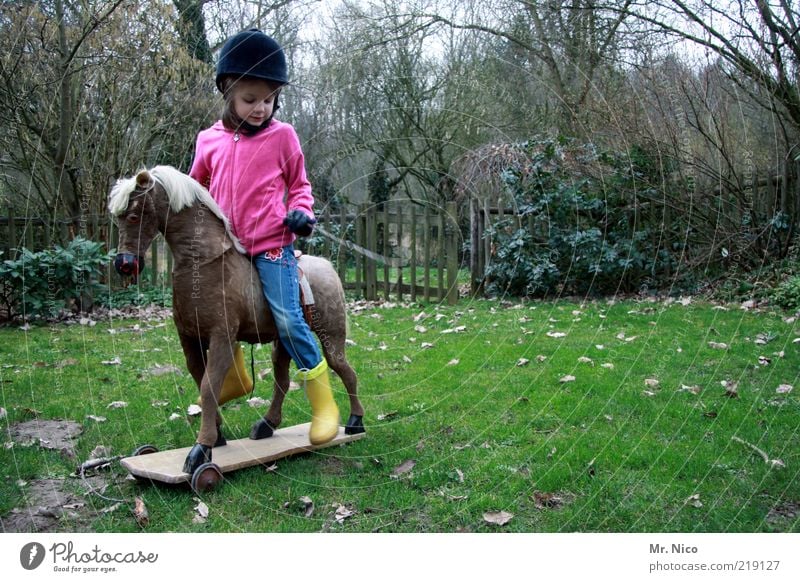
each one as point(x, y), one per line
point(132, 219)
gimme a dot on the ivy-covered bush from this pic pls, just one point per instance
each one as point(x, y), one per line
point(787, 294)
point(41, 284)
point(581, 225)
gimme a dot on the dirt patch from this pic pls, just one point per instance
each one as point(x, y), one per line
point(784, 514)
point(54, 435)
point(53, 505)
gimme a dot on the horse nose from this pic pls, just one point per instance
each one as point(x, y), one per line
point(128, 265)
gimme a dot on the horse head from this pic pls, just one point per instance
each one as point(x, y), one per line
point(132, 204)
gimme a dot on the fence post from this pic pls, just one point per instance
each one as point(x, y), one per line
point(440, 255)
point(372, 245)
point(12, 232)
point(385, 253)
point(360, 261)
point(426, 249)
point(413, 264)
point(400, 216)
point(452, 253)
point(342, 257)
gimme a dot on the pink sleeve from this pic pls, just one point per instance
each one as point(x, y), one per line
point(200, 170)
point(299, 195)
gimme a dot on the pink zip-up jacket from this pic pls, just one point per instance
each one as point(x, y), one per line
point(255, 180)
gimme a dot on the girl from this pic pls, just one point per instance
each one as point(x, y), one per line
point(254, 168)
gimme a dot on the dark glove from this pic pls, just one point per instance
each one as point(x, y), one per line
point(299, 222)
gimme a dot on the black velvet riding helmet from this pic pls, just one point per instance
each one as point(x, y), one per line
point(252, 53)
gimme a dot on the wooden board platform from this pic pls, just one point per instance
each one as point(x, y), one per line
point(167, 466)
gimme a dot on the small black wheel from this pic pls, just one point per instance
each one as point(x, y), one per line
point(144, 450)
point(206, 477)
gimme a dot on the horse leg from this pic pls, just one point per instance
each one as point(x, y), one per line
point(280, 368)
point(220, 357)
point(337, 361)
point(194, 350)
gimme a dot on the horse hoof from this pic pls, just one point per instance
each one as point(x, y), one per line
point(206, 477)
point(355, 425)
point(199, 455)
point(261, 430)
point(221, 441)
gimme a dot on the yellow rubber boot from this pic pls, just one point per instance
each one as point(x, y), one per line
point(324, 412)
point(237, 381)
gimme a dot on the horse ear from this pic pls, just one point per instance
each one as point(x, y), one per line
point(144, 180)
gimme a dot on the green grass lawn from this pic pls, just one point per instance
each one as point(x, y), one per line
point(621, 424)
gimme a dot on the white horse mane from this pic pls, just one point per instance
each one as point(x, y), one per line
point(182, 191)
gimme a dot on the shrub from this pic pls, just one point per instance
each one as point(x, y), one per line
point(787, 294)
point(41, 284)
point(578, 228)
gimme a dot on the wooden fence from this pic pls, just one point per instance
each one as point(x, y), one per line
point(398, 250)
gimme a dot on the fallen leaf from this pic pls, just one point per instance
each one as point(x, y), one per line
point(763, 339)
point(717, 346)
point(497, 517)
point(201, 512)
point(694, 500)
point(523, 362)
point(420, 329)
point(648, 393)
point(567, 378)
point(556, 334)
point(426, 345)
point(159, 370)
point(731, 389)
point(403, 468)
point(542, 500)
point(115, 362)
point(100, 452)
point(607, 365)
point(693, 389)
point(651, 382)
point(140, 513)
point(453, 362)
point(585, 360)
point(67, 362)
point(407, 360)
point(343, 512)
point(540, 358)
point(175, 416)
point(307, 505)
point(117, 404)
point(458, 329)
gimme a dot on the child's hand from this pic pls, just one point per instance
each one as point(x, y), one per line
point(299, 222)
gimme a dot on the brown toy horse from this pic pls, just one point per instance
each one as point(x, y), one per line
point(217, 298)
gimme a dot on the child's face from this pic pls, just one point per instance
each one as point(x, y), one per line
point(253, 100)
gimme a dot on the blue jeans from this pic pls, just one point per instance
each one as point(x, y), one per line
point(279, 281)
